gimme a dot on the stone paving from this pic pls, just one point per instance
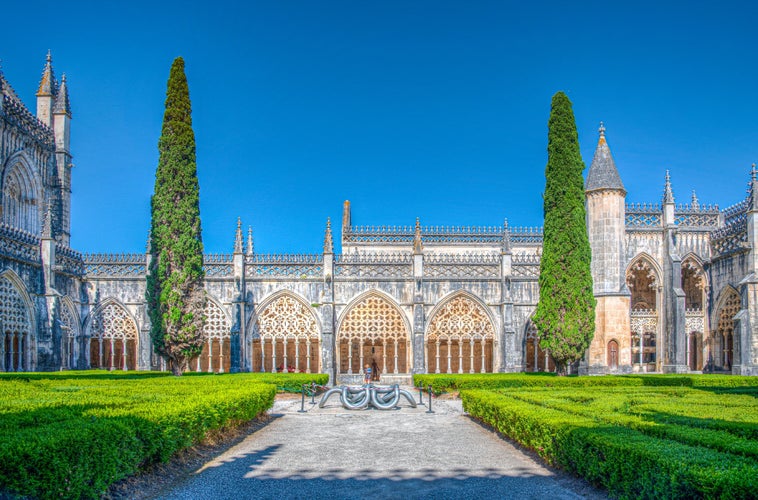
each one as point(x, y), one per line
point(404, 453)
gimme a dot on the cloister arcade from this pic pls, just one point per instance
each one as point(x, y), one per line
point(16, 339)
point(286, 336)
point(460, 338)
point(113, 340)
point(536, 359)
point(373, 332)
point(643, 280)
point(694, 285)
point(215, 357)
point(723, 338)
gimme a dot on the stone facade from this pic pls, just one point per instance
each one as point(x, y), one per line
point(676, 284)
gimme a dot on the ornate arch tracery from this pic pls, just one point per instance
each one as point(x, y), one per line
point(21, 196)
point(694, 286)
point(460, 333)
point(373, 332)
point(536, 359)
point(643, 280)
point(15, 328)
point(286, 336)
point(215, 356)
point(114, 338)
point(71, 335)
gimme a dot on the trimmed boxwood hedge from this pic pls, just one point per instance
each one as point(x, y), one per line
point(456, 382)
point(628, 463)
point(72, 434)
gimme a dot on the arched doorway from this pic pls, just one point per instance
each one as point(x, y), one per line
point(460, 338)
point(613, 355)
point(373, 332)
point(286, 337)
point(114, 339)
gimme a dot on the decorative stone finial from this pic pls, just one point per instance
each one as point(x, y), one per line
point(417, 244)
point(668, 194)
point(47, 222)
point(250, 240)
point(62, 104)
point(601, 130)
point(49, 57)
point(328, 240)
point(695, 202)
point(47, 84)
point(238, 237)
point(753, 173)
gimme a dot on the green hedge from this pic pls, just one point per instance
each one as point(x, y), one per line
point(457, 382)
point(628, 463)
point(73, 437)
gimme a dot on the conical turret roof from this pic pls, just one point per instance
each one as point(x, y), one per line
point(47, 84)
point(603, 173)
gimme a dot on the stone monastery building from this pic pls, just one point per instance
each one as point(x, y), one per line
point(676, 285)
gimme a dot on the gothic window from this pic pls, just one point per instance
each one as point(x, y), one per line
point(459, 338)
point(723, 341)
point(15, 329)
point(114, 339)
point(20, 199)
point(693, 284)
point(373, 333)
point(536, 358)
point(286, 337)
point(215, 356)
point(643, 281)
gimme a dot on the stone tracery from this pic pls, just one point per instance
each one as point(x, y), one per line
point(287, 337)
point(114, 339)
point(373, 332)
point(459, 338)
point(15, 329)
point(215, 356)
point(722, 342)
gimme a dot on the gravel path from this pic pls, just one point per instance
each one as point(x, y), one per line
point(406, 453)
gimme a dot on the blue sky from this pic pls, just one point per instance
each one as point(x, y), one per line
point(435, 110)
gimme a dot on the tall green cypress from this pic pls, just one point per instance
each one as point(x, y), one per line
point(175, 294)
point(565, 316)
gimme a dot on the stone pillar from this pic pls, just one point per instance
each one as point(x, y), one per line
point(509, 352)
point(418, 310)
point(327, 317)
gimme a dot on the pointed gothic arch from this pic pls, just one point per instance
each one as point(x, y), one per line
point(21, 194)
point(460, 335)
point(17, 325)
point(215, 356)
point(721, 342)
point(373, 331)
point(286, 335)
point(71, 341)
point(695, 286)
point(643, 277)
point(113, 337)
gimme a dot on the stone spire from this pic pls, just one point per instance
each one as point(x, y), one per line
point(250, 240)
point(603, 173)
point(62, 104)
point(752, 195)
point(328, 241)
point(417, 244)
point(695, 203)
point(47, 222)
point(238, 237)
point(506, 237)
point(668, 194)
point(47, 84)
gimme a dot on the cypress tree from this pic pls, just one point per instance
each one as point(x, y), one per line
point(565, 316)
point(175, 294)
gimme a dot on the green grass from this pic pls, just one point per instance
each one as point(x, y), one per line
point(72, 434)
point(636, 441)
